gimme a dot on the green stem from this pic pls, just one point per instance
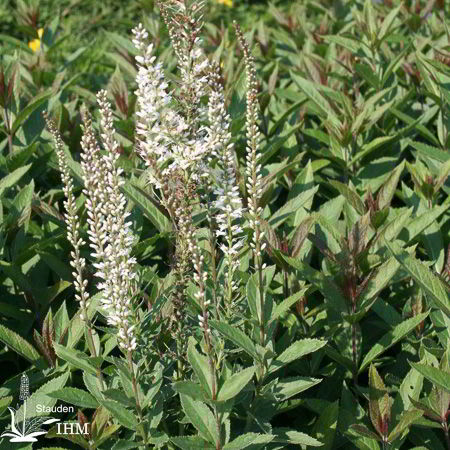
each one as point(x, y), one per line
point(8, 130)
point(447, 437)
point(92, 349)
point(136, 395)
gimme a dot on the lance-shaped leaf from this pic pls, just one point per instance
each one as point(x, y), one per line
point(300, 235)
point(75, 396)
point(247, 439)
point(379, 403)
point(326, 285)
point(21, 346)
point(325, 427)
point(201, 367)
point(378, 282)
point(284, 306)
point(233, 385)
point(427, 410)
point(387, 190)
point(149, 206)
point(237, 337)
point(437, 376)
point(362, 430)
point(406, 419)
point(287, 436)
point(124, 416)
point(77, 359)
point(296, 351)
point(201, 418)
point(430, 283)
point(192, 443)
point(351, 196)
point(310, 90)
point(391, 338)
point(288, 387)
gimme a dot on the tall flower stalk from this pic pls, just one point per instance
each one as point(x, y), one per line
point(73, 236)
point(228, 202)
point(253, 173)
point(171, 137)
point(110, 234)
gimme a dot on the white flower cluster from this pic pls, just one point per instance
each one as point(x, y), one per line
point(162, 132)
point(253, 167)
point(228, 202)
point(71, 219)
point(110, 235)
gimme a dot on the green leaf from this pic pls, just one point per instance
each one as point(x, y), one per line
point(387, 22)
point(387, 191)
point(430, 283)
point(287, 436)
point(121, 43)
point(12, 178)
point(378, 282)
point(119, 412)
point(148, 206)
point(284, 306)
point(288, 387)
point(123, 63)
point(410, 388)
point(123, 444)
point(236, 336)
point(20, 156)
point(406, 419)
point(391, 338)
point(201, 418)
point(295, 351)
point(352, 45)
point(326, 285)
point(309, 89)
point(421, 223)
point(21, 346)
point(191, 389)
point(201, 367)
point(244, 440)
point(367, 74)
point(430, 413)
point(362, 430)
point(75, 396)
point(379, 401)
point(432, 152)
point(437, 376)
point(351, 196)
point(16, 43)
point(371, 146)
point(233, 385)
point(325, 427)
point(92, 384)
point(4, 403)
point(291, 206)
point(192, 443)
point(14, 272)
point(77, 359)
point(29, 109)
point(253, 299)
point(77, 325)
point(339, 357)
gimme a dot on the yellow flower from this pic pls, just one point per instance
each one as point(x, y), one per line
point(35, 44)
point(228, 3)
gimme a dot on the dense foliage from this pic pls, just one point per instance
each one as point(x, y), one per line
point(219, 235)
